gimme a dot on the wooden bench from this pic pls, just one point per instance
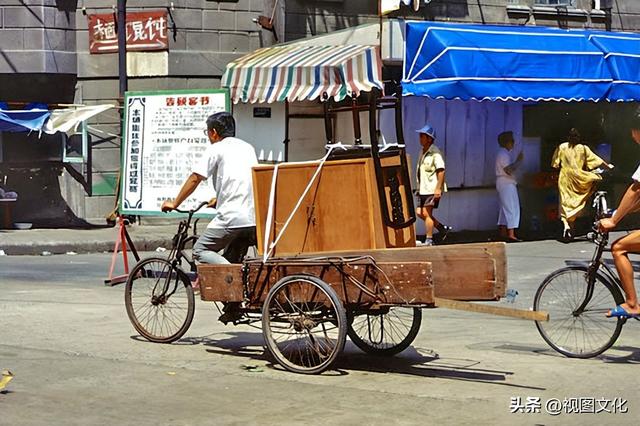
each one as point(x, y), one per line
point(6, 204)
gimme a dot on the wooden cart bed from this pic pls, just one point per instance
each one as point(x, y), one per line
point(402, 276)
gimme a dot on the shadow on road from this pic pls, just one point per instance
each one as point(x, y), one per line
point(427, 363)
point(413, 361)
point(633, 357)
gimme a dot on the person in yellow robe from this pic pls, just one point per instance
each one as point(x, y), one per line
point(576, 181)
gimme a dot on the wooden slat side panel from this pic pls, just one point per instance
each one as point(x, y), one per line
point(221, 283)
point(339, 219)
point(466, 279)
point(451, 274)
point(328, 202)
point(410, 282)
point(498, 253)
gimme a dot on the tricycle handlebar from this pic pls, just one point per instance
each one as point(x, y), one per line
point(192, 211)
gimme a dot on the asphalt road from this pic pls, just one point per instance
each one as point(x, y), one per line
point(77, 360)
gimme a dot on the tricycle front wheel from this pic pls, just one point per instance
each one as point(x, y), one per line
point(304, 324)
point(159, 300)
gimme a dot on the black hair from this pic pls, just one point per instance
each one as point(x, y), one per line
point(575, 134)
point(223, 123)
point(504, 138)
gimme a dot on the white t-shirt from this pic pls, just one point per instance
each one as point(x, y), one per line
point(229, 162)
point(636, 175)
point(503, 159)
point(430, 162)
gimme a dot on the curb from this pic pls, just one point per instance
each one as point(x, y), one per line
point(83, 247)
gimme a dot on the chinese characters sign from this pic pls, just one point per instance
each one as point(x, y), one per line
point(164, 138)
point(145, 31)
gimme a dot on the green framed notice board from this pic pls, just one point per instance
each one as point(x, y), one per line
point(163, 137)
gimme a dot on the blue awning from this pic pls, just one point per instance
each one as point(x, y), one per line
point(29, 119)
point(488, 62)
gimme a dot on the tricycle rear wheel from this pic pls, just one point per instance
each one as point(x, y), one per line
point(304, 324)
point(386, 332)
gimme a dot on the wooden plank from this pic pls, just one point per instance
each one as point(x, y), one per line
point(392, 283)
point(460, 271)
point(408, 282)
point(492, 310)
point(221, 283)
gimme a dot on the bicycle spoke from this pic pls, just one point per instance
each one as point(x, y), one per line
point(158, 303)
point(586, 333)
point(301, 325)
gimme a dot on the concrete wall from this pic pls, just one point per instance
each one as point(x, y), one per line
point(208, 35)
point(37, 36)
point(44, 56)
point(308, 18)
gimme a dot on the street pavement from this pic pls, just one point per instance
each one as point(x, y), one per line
point(78, 361)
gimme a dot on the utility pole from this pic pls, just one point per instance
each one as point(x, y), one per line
point(122, 46)
point(274, 14)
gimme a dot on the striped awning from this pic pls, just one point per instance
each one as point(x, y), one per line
point(302, 72)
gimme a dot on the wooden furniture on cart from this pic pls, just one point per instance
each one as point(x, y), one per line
point(341, 211)
point(360, 200)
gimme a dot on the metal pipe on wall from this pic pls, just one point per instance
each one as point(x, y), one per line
point(122, 46)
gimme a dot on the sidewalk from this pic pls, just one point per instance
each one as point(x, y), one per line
point(63, 240)
point(148, 237)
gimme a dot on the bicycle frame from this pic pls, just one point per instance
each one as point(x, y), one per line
point(177, 254)
point(601, 239)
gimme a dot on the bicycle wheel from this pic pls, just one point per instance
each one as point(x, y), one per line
point(577, 335)
point(304, 324)
point(159, 300)
point(387, 332)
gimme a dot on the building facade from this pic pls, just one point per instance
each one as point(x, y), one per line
point(45, 57)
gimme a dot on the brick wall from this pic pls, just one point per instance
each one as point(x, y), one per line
point(37, 37)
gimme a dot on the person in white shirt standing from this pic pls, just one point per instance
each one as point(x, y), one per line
point(228, 161)
point(431, 184)
point(506, 184)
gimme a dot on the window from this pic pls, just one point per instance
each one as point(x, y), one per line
point(555, 2)
point(602, 4)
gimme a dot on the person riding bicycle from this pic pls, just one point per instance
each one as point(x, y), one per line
point(228, 161)
point(576, 180)
point(629, 243)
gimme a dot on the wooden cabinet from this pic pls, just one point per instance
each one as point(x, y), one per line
point(341, 210)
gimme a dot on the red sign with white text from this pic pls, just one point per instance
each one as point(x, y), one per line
point(145, 31)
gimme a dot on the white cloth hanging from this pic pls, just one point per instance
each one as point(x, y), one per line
point(67, 120)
